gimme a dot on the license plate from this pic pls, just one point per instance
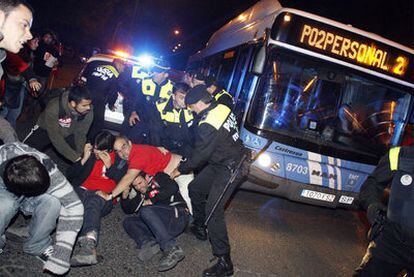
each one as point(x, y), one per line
point(318, 195)
point(346, 199)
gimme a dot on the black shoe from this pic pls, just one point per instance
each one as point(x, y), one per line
point(223, 267)
point(199, 232)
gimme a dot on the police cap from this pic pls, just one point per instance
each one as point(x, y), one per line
point(161, 66)
point(196, 94)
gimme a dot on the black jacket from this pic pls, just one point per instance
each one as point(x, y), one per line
point(39, 65)
point(161, 191)
point(78, 173)
point(217, 140)
point(102, 82)
point(177, 130)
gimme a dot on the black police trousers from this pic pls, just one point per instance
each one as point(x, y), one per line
point(390, 253)
point(204, 191)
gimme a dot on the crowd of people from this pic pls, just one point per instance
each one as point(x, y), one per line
point(174, 155)
point(168, 167)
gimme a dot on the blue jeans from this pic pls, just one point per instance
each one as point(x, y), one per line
point(164, 223)
point(44, 209)
point(95, 208)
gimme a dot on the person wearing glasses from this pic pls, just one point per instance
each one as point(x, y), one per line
point(99, 169)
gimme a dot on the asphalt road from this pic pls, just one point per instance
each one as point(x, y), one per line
point(269, 237)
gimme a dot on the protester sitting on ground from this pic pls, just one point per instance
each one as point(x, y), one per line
point(161, 216)
point(32, 183)
point(99, 169)
point(68, 116)
point(147, 158)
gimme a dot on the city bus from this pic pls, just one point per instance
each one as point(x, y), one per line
point(330, 99)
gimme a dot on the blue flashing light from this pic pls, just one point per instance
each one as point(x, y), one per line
point(146, 60)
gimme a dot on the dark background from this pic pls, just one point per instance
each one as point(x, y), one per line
point(147, 25)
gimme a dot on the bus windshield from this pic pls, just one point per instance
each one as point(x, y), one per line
point(304, 99)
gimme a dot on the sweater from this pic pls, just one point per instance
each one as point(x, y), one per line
point(71, 212)
point(79, 127)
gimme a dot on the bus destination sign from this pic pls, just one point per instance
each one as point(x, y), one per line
point(344, 45)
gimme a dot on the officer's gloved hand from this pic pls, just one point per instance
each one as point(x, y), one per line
point(374, 210)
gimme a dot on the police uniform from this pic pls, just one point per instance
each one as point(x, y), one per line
point(177, 133)
point(102, 81)
point(148, 102)
point(223, 97)
point(392, 247)
point(218, 150)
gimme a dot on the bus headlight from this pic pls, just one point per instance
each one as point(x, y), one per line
point(264, 160)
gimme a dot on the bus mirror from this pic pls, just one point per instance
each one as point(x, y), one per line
point(259, 61)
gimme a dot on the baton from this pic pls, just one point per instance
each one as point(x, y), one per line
point(233, 177)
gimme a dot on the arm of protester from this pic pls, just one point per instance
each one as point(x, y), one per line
point(82, 131)
point(117, 170)
point(123, 185)
point(168, 187)
point(58, 141)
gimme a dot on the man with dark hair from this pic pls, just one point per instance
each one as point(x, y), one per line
point(31, 182)
point(177, 121)
point(99, 169)
point(102, 81)
point(15, 21)
point(161, 216)
point(69, 115)
point(218, 151)
point(219, 94)
point(46, 58)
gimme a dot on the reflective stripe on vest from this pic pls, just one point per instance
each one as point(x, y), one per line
point(112, 69)
point(221, 93)
point(393, 156)
point(137, 73)
point(149, 89)
point(217, 116)
point(174, 116)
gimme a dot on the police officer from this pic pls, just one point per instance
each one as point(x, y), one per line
point(218, 150)
point(392, 247)
point(219, 94)
point(101, 79)
point(177, 134)
point(151, 98)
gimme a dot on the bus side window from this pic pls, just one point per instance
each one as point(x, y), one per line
point(243, 95)
point(214, 65)
point(240, 72)
point(227, 68)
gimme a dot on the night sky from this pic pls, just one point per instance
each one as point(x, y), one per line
point(147, 25)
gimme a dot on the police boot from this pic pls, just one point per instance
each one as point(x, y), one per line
point(223, 267)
